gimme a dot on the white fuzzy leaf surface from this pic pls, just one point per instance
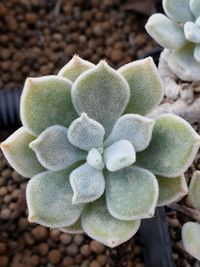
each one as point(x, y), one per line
point(74, 68)
point(134, 128)
point(94, 158)
point(102, 94)
point(195, 7)
point(131, 193)
point(192, 32)
point(101, 226)
point(197, 53)
point(19, 155)
point(49, 199)
point(87, 183)
point(53, 149)
point(166, 32)
point(86, 133)
point(73, 229)
point(145, 84)
point(171, 189)
point(46, 101)
point(172, 149)
point(194, 190)
point(191, 239)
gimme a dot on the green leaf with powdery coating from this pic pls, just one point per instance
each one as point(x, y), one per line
point(73, 229)
point(172, 149)
point(171, 189)
point(166, 32)
point(192, 32)
point(145, 84)
point(19, 155)
point(134, 128)
point(87, 183)
point(53, 149)
point(197, 53)
point(86, 133)
point(102, 94)
point(131, 193)
point(46, 101)
point(178, 10)
point(194, 190)
point(191, 239)
point(49, 199)
point(195, 7)
point(74, 68)
point(179, 61)
point(101, 226)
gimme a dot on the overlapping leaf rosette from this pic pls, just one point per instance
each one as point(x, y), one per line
point(179, 33)
point(96, 163)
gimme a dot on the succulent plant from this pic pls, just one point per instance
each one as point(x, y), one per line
point(179, 33)
point(96, 163)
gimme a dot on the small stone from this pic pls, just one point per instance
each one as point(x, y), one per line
point(6, 173)
point(67, 262)
point(85, 263)
point(23, 223)
point(116, 56)
point(95, 264)
point(16, 193)
point(72, 250)
point(78, 239)
point(34, 260)
point(137, 250)
point(3, 247)
point(97, 247)
point(17, 177)
point(4, 261)
point(30, 18)
point(54, 256)
point(54, 234)
point(3, 191)
point(101, 259)
point(43, 249)
point(65, 238)
point(28, 239)
point(5, 214)
point(85, 250)
point(39, 233)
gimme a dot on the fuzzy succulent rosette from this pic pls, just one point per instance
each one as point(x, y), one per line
point(96, 164)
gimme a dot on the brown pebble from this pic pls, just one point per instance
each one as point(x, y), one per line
point(34, 260)
point(4, 261)
point(30, 18)
point(95, 263)
point(54, 256)
point(67, 261)
point(28, 239)
point(97, 247)
point(101, 259)
point(3, 191)
point(54, 234)
point(78, 239)
point(116, 56)
point(3, 247)
point(5, 214)
point(85, 250)
point(65, 238)
point(43, 249)
point(39, 233)
point(72, 250)
point(22, 223)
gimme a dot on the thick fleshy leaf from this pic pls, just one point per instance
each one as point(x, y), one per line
point(53, 149)
point(73, 229)
point(146, 92)
point(195, 7)
point(184, 65)
point(94, 158)
point(178, 10)
point(102, 93)
point(194, 190)
point(87, 183)
point(131, 193)
point(191, 239)
point(86, 133)
point(166, 32)
point(119, 155)
point(19, 155)
point(134, 128)
point(172, 149)
point(74, 68)
point(197, 53)
point(192, 32)
point(49, 199)
point(100, 225)
point(46, 101)
point(171, 189)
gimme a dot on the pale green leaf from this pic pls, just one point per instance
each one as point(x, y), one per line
point(49, 199)
point(94, 158)
point(195, 7)
point(171, 189)
point(102, 94)
point(191, 239)
point(46, 101)
point(194, 190)
point(73, 229)
point(172, 149)
point(101, 226)
point(87, 183)
point(192, 32)
point(74, 68)
point(131, 193)
point(134, 128)
point(19, 155)
point(197, 53)
point(86, 133)
point(145, 84)
point(166, 32)
point(53, 149)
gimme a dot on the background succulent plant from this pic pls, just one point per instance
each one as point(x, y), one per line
point(179, 33)
point(96, 163)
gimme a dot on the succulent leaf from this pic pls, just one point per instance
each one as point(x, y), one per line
point(131, 193)
point(197, 53)
point(46, 101)
point(49, 199)
point(73, 229)
point(119, 155)
point(134, 128)
point(102, 94)
point(191, 239)
point(178, 10)
point(74, 68)
point(145, 84)
point(94, 159)
point(87, 183)
point(192, 32)
point(19, 155)
point(100, 225)
point(171, 189)
point(172, 149)
point(166, 32)
point(195, 7)
point(86, 133)
point(53, 149)
point(194, 190)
